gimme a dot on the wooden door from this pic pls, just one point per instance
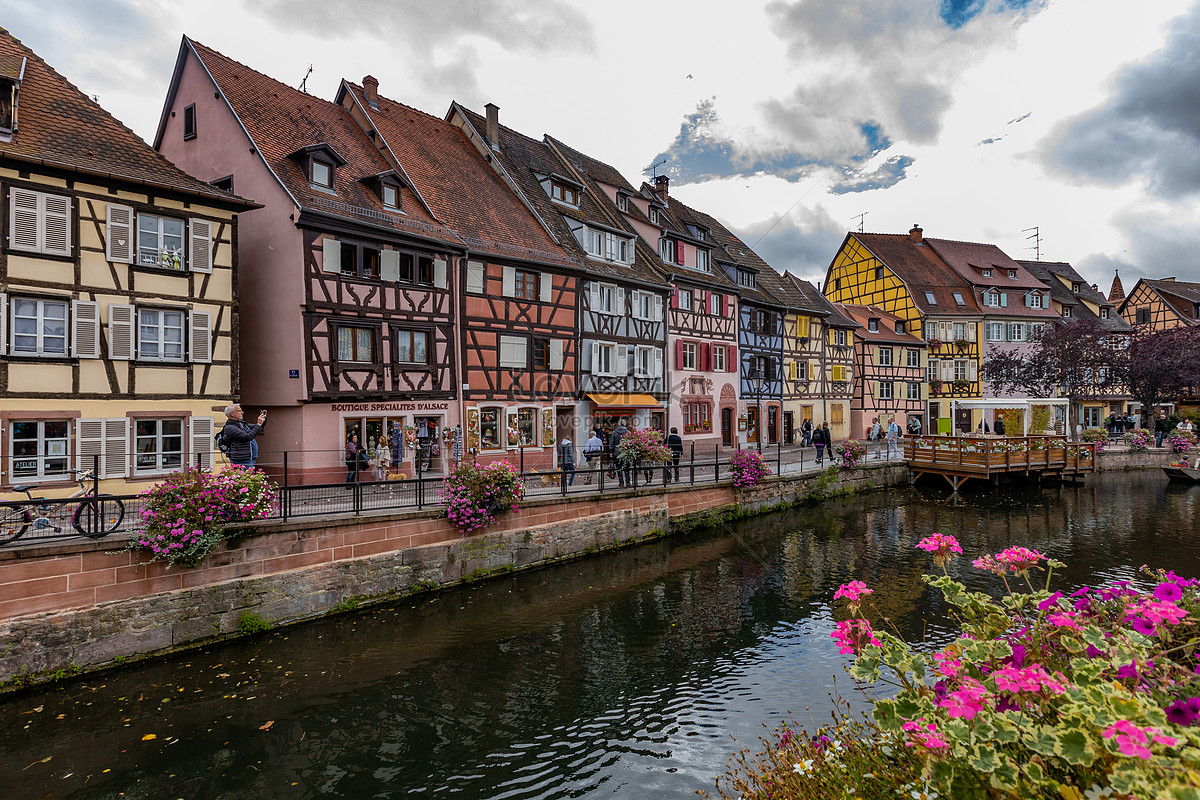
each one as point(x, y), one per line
point(727, 427)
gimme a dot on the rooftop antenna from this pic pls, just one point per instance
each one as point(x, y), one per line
point(861, 219)
point(654, 168)
point(1036, 247)
point(304, 82)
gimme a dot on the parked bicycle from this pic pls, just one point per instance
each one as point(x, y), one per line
point(95, 515)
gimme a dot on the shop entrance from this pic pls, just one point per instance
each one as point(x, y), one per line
point(773, 424)
point(727, 427)
point(789, 427)
point(752, 424)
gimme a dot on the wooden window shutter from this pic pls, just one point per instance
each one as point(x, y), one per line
point(731, 306)
point(389, 267)
point(658, 362)
point(200, 336)
point(705, 356)
point(439, 273)
point(119, 232)
point(200, 234)
point(85, 329)
point(829, 336)
point(201, 429)
point(678, 252)
point(793, 370)
point(23, 222)
point(623, 359)
point(675, 297)
point(620, 302)
point(971, 331)
point(475, 272)
point(556, 354)
point(595, 365)
point(56, 238)
point(731, 359)
point(679, 354)
point(545, 286)
point(509, 287)
point(89, 449)
point(875, 355)
point(593, 290)
point(3, 325)
point(972, 371)
point(658, 308)
point(120, 332)
point(331, 256)
point(116, 448)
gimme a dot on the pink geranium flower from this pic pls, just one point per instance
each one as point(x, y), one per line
point(852, 635)
point(966, 701)
point(853, 591)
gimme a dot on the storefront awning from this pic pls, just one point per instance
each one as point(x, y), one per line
point(620, 402)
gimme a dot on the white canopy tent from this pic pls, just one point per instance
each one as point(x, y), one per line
point(1024, 404)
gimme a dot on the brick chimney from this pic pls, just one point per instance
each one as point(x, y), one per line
point(661, 184)
point(493, 125)
point(915, 233)
point(371, 91)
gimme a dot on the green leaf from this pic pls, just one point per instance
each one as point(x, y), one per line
point(985, 760)
point(1184, 793)
point(1040, 740)
point(1007, 778)
point(1074, 747)
point(1094, 635)
point(1035, 773)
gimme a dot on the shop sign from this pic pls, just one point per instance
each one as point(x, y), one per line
point(391, 406)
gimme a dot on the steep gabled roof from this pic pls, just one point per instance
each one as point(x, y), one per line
point(923, 270)
point(60, 126)
point(527, 161)
point(1049, 272)
point(1179, 295)
point(282, 121)
point(770, 287)
point(463, 192)
point(1116, 292)
point(818, 303)
point(886, 334)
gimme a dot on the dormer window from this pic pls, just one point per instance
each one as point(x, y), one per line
point(900, 326)
point(654, 216)
point(8, 104)
point(563, 193)
point(987, 273)
point(702, 260)
point(189, 122)
point(320, 163)
point(745, 278)
point(1104, 312)
point(391, 196)
point(622, 202)
point(994, 299)
point(873, 325)
point(929, 298)
point(1034, 300)
point(958, 299)
point(1012, 273)
point(1075, 287)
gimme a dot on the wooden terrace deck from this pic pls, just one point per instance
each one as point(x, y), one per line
point(959, 458)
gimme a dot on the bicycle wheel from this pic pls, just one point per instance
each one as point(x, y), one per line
point(98, 516)
point(13, 523)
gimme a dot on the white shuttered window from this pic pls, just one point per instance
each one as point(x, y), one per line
point(107, 439)
point(39, 222)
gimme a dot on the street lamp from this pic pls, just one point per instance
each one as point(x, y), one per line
point(757, 382)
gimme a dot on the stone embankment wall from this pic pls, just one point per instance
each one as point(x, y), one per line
point(80, 606)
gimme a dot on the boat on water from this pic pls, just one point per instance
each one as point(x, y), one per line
point(1183, 474)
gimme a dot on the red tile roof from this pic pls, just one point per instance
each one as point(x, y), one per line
point(887, 324)
point(282, 120)
point(59, 125)
point(923, 270)
point(463, 191)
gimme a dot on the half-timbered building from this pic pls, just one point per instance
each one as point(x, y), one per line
point(702, 319)
point(621, 316)
point(1162, 304)
point(518, 295)
point(904, 276)
point(118, 275)
point(889, 374)
point(345, 298)
point(819, 343)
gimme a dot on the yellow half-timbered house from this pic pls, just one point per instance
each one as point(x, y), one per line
point(117, 293)
point(905, 277)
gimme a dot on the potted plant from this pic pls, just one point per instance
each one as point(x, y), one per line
point(935, 344)
point(961, 385)
point(748, 468)
point(961, 344)
point(475, 496)
point(935, 385)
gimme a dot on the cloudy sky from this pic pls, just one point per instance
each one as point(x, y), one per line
point(788, 119)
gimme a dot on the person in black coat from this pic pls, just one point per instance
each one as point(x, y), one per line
point(999, 426)
point(675, 443)
point(1161, 426)
point(821, 440)
point(240, 435)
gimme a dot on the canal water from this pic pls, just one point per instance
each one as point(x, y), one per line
point(626, 675)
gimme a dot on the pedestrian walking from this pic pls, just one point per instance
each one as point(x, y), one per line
point(381, 462)
point(356, 459)
point(1161, 426)
point(624, 471)
point(806, 432)
point(675, 444)
point(566, 460)
point(875, 435)
point(893, 438)
point(821, 440)
point(593, 450)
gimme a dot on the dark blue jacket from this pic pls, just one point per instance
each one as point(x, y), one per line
point(241, 435)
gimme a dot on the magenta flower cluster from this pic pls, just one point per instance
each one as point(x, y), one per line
point(474, 497)
point(852, 453)
point(184, 517)
point(747, 468)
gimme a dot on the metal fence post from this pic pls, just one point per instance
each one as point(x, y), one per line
point(692, 465)
point(95, 474)
point(603, 470)
point(779, 457)
point(285, 494)
point(636, 469)
point(420, 482)
point(521, 450)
